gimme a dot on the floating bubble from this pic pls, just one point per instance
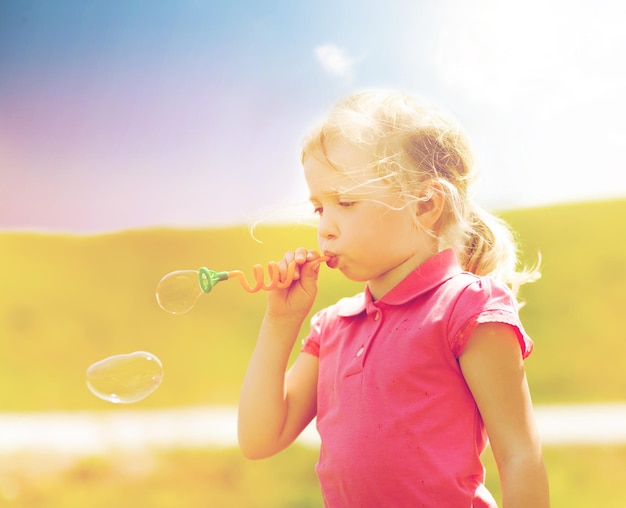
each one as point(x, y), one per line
point(178, 291)
point(125, 378)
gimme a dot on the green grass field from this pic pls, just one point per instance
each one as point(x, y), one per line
point(580, 477)
point(68, 301)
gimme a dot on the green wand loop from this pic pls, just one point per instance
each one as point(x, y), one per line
point(209, 278)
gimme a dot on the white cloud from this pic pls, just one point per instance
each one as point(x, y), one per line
point(335, 61)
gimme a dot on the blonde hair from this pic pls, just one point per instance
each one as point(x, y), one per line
point(413, 146)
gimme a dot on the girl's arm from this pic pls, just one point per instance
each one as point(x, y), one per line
point(493, 368)
point(276, 405)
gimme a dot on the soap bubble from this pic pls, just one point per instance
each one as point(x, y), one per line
point(178, 291)
point(125, 378)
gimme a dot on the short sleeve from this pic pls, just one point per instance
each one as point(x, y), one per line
point(327, 318)
point(311, 344)
point(485, 301)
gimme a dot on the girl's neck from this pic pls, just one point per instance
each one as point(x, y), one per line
point(384, 283)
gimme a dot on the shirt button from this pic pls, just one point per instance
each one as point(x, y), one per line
point(360, 351)
point(377, 315)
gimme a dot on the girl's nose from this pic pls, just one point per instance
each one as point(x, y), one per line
point(327, 227)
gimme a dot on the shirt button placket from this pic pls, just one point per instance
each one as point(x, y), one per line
point(376, 317)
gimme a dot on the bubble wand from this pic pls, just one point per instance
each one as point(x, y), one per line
point(178, 291)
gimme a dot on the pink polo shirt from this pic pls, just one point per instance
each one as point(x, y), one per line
point(398, 424)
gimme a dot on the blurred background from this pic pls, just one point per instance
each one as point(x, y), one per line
point(140, 137)
point(126, 114)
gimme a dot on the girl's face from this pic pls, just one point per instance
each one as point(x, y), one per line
point(369, 231)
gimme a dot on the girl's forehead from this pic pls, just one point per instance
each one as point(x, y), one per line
point(349, 158)
point(355, 176)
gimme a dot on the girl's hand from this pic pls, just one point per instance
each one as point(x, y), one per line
point(296, 300)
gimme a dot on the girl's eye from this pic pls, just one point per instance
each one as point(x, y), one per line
point(319, 210)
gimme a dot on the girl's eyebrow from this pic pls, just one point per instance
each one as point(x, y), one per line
point(326, 193)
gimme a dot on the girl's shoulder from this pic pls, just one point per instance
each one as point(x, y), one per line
point(479, 299)
point(472, 287)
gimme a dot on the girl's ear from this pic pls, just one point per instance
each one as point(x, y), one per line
point(431, 206)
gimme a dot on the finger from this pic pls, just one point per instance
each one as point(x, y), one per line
point(301, 255)
point(312, 267)
point(313, 255)
point(290, 264)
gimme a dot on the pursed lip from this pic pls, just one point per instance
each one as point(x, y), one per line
point(332, 260)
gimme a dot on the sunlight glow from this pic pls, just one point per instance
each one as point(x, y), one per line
point(502, 51)
point(550, 76)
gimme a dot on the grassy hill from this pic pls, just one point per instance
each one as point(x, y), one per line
point(68, 301)
point(575, 312)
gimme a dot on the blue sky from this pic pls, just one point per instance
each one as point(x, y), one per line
point(137, 113)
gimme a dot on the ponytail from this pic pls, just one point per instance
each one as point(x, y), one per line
point(490, 249)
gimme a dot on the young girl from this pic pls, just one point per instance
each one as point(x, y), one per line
point(409, 378)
